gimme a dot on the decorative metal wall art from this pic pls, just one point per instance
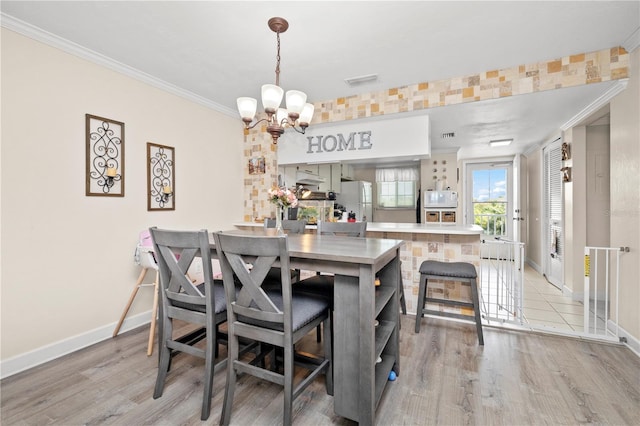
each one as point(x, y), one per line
point(105, 156)
point(161, 181)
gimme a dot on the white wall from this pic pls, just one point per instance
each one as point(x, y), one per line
point(597, 185)
point(625, 194)
point(67, 259)
point(575, 210)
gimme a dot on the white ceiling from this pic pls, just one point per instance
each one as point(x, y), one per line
point(217, 51)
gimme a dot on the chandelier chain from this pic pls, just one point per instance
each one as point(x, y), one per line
point(278, 61)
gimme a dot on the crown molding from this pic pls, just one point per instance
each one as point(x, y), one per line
point(599, 102)
point(633, 41)
point(38, 34)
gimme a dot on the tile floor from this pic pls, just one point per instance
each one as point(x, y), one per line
point(544, 305)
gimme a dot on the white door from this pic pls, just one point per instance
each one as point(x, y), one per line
point(553, 226)
point(489, 198)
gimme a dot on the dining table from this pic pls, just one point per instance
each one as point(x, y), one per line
point(366, 313)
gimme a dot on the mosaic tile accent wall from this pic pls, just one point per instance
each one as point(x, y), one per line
point(568, 71)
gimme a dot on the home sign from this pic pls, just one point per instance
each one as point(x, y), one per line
point(357, 140)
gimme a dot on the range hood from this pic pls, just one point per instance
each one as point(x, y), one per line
point(308, 178)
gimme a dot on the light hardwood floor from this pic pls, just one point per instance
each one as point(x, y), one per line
point(517, 378)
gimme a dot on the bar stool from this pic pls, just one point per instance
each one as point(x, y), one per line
point(454, 271)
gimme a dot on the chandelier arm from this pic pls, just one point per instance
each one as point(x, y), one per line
point(301, 131)
point(250, 126)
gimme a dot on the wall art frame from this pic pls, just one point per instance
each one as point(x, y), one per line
point(104, 157)
point(257, 166)
point(161, 177)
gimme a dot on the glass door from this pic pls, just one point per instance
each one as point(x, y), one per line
point(489, 198)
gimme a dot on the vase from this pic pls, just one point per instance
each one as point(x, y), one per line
point(279, 213)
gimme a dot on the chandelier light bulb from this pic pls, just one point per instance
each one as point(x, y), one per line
point(295, 101)
point(247, 108)
point(271, 97)
point(306, 115)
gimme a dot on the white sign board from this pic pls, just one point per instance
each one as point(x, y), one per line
point(357, 140)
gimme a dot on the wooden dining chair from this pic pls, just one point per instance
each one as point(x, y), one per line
point(322, 284)
point(181, 299)
point(278, 318)
point(290, 226)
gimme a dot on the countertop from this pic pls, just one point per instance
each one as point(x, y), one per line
point(408, 228)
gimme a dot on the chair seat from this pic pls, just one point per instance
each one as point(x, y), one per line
point(317, 285)
point(305, 308)
point(272, 280)
point(448, 269)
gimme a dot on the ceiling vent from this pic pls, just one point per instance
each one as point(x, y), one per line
point(363, 79)
point(448, 135)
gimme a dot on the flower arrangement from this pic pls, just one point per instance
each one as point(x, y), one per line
point(283, 197)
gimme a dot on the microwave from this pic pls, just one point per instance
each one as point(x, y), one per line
point(440, 199)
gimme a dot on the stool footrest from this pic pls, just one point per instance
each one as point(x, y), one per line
point(449, 302)
point(448, 314)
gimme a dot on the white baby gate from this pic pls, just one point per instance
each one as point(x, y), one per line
point(601, 290)
point(501, 280)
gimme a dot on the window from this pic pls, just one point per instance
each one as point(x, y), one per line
point(490, 185)
point(396, 187)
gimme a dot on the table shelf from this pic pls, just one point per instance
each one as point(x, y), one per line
point(382, 375)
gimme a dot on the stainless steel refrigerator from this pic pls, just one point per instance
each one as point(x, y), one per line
point(356, 196)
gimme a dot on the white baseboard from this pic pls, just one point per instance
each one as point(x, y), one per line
point(629, 341)
point(11, 366)
point(534, 265)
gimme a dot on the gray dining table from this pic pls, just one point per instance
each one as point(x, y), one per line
point(366, 316)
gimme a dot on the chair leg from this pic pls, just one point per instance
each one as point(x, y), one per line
point(209, 367)
point(403, 302)
point(154, 314)
point(476, 309)
point(288, 384)
point(133, 296)
point(232, 356)
point(422, 293)
point(165, 357)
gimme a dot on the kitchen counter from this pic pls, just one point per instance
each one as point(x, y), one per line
point(403, 228)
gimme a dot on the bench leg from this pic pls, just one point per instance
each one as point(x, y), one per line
point(422, 293)
point(476, 309)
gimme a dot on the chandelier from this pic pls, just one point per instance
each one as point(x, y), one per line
point(298, 112)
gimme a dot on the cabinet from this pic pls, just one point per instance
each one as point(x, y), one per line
point(288, 175)
point(309, 168)
point(332, 174)
point(347, 171)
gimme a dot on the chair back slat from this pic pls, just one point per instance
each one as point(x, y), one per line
point(349, 229)
point(176, 252)
point(262, 252)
